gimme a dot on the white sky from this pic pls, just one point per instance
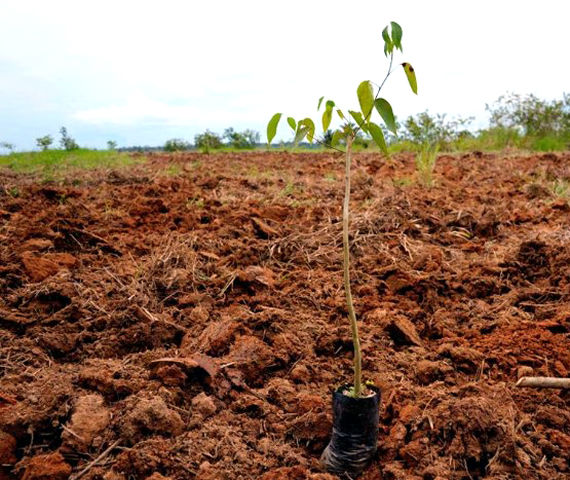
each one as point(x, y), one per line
point(141, 72)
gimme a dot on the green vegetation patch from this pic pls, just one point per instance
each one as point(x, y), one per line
point(56, 163)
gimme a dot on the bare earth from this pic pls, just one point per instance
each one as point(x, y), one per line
point(189, 313)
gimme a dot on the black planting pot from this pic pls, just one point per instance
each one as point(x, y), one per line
point(355, 433)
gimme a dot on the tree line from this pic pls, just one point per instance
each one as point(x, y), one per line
point(515, 120)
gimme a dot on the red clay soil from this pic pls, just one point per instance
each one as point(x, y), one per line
point(185, 318)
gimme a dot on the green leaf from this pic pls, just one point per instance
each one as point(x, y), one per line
point(365, 98)
point(397, 35)
point(378, 136)
point(388, 45)
point(340, 114)
point(319, 105)
point(292, 123)
point(327, 117)
point(311, 129)
point(272, 127)
point(301, 132)
point(411, 74)
point(337, 136)
point(386, 35)
point(359, 120)
point(385, 111)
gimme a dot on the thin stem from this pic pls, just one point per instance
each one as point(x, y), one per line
point(346, 265)
point(359, 127)
point(378, 92)
point(324, 144)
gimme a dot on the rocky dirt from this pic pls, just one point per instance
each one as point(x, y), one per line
point(185, 318)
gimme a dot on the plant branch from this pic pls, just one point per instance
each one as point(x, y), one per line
point(359, 127)
point(324, 144)
point(346, 265)
point(390, 70)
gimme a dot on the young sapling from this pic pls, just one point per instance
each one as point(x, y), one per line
point(355, 407)
point(342, 140)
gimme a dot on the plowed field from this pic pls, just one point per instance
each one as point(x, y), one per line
point(185, 318)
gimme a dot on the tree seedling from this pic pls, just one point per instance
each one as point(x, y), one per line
point(342, 140)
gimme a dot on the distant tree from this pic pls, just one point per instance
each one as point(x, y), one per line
point(234, 139)
point(44, 142)
point(435, 130)
point(66, 142)
point(7, 146)
point(530, 115)
point(111, 145)
point(244, 140)
point(207, 141)
point(252, 137)
point(176, 145)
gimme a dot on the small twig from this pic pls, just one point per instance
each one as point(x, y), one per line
point(233, 276)
point(93, 304)
point(226, 365)
point(149, 316)
point(482, 369)
point(293, 366)
point(467, 469)
point(96, 461)
point(76, 241)
point(544, 382)
point(93, 236)
point(114, 277)
point(31, 432)
point(71, 432)
point(494, 458)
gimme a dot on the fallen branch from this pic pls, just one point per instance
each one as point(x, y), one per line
point(544, 382)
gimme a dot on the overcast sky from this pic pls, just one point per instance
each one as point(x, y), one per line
point(141, 72)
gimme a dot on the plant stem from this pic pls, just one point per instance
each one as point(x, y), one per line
point(359, 127)
point(346, 265)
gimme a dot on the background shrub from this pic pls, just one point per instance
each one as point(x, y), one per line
point(207, 141)
point(176, 145)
